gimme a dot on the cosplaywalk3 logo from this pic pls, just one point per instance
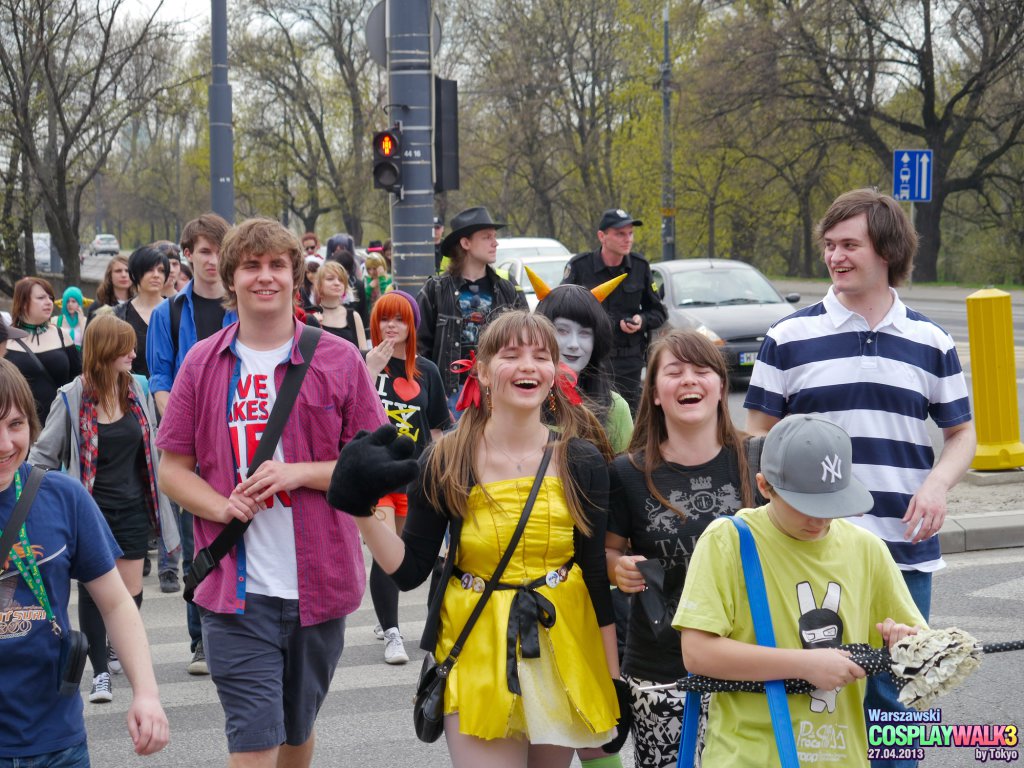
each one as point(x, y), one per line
point(907, 735)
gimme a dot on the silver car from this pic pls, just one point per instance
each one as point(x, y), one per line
point(543, 255)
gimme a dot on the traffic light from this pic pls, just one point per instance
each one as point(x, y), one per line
point(387, 160)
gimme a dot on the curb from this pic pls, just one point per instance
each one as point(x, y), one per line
point(972, 533)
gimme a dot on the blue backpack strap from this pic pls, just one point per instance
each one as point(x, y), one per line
point(778, 706)
point(759, 611)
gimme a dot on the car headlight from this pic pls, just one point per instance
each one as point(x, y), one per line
point(710, 335)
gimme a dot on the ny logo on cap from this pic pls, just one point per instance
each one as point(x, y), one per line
point(621, 213)
point(832, 467)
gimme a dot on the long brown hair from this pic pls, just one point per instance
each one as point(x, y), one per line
point(105, 293)
point(649, 431)
point(107, 338)
point(451, 466)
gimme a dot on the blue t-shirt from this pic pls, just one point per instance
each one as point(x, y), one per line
point(70, 540)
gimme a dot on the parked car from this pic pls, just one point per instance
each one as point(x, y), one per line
point(543, 255)
point(730, 302)
point(104, 244)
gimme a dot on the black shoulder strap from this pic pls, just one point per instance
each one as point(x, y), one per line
point(445, 666)
point(46, 371)
point(206, 560)
point(19, 513)
point(176, 304)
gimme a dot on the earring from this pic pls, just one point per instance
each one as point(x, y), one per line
point(552, 403)
point(487, 397)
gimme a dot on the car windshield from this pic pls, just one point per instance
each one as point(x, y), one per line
point(715, 287)
point(550, 272)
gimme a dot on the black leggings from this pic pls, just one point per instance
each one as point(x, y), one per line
point(91, 621)
point(384, 593)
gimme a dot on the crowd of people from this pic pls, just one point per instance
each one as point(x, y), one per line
point(258, 407)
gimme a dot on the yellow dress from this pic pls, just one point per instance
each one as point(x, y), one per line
point(567, 694)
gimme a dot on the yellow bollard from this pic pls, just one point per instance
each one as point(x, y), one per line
point(994, 381)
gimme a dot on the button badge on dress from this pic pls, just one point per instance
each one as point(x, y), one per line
point(553, 579)
point(467, 581)
point(478, 584)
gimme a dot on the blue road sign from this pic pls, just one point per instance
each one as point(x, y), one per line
point(912, 175)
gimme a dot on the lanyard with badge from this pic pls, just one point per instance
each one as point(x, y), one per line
point(25, 562)
point(73, 645)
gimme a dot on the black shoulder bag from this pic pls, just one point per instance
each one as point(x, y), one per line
point(206, 559)
point(428, 703)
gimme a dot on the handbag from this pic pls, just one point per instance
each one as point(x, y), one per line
point(428, 702)
point(206, 559)
point(778, 706)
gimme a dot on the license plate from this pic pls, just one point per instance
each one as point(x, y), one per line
point(748, 358)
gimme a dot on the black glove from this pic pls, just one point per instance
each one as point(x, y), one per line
point(371, 466)
point(625, 697)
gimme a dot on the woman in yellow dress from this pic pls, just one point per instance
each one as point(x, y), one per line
point(524, 691)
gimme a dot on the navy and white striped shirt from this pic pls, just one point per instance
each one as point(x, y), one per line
point(880, 385)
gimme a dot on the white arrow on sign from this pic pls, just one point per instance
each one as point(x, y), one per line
point(905, 158)
point(923, 177)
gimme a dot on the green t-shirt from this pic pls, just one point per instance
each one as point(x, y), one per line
point(618, 424)
point(850, 573)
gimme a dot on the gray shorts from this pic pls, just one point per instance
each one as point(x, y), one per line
point(271, 673)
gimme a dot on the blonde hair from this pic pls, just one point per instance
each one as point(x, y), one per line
point(334, 269)
point(451, 463)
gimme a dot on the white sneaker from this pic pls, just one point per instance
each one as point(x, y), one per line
point(100, 691)
point(113, 663)
point(378, 632)
point(394, 651)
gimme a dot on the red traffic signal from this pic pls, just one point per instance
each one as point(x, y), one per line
point(387, 160)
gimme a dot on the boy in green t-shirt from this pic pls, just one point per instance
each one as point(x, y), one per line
point(828, 583)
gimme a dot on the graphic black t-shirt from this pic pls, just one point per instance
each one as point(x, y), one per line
point(208, 314)
point(704, 493)
point(414, 407)
point(476, 301)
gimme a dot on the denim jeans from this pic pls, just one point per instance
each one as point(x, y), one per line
point(72, 757)
point(167, 562)
point(882, 691)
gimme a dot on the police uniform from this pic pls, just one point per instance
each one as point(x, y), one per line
point(635, 296)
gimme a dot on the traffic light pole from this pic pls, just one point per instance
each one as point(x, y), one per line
point(410, 95)
point(668, 193)
point(222, 153)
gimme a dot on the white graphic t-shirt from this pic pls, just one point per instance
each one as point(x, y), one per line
point(270, 540)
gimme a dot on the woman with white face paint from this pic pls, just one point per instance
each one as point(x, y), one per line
point(584, 341)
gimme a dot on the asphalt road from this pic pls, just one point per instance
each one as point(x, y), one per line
point(366, 719)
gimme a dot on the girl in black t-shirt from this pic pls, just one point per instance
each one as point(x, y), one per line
point(412, 393)
point(102, 430)
point(686, 466)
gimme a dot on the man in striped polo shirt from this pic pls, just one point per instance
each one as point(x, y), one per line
point(863, 359)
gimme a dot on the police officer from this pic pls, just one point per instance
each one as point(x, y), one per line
point(634, 308)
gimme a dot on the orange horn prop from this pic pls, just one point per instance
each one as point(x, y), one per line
point(539, 286)
point(601, 291)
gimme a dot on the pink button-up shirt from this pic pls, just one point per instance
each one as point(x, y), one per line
point(336, 400)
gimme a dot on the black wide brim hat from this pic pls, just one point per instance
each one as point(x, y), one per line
point(465, 223)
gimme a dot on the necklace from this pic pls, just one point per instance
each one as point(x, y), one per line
point(324, 306)
point(35, 330)
point(518, 462)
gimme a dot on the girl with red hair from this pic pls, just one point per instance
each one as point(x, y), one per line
point(412, 393)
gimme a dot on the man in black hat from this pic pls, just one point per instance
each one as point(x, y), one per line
point(634, 307)
point(457, 304)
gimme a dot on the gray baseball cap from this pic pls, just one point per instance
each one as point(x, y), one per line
point(809, 462)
